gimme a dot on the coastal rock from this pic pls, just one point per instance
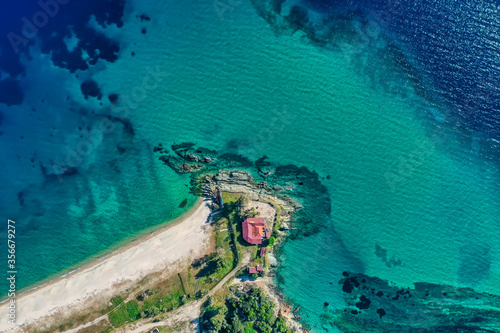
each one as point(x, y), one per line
point(192, 157)
point(272, 260)
point(285, 226)
point(278, 188)
point(286, 186)
point(242, 181)
point(207, 159)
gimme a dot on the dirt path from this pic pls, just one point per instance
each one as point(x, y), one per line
point(189, 313)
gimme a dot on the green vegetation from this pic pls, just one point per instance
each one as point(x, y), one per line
point(176, 290)
point(181, 288)
point(232, 216)
point(230, 197)
point(242, 312)
point(150, 298)
point(234, 213)
point(253, 212)
point(124, 314)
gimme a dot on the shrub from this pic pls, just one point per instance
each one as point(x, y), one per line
point(152, 311)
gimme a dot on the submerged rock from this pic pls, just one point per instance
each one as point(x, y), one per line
point(113, 98)
point(183, 203)
point(90, 88)
point(426, 308)
point(11, 92)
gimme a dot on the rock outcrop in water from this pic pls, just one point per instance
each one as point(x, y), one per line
point(297, 187)
point(242, 181)
point(376, 306)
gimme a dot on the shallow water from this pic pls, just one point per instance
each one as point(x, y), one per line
point(413, 197)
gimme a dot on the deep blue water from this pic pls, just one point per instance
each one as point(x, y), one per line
point(450, 50)
point(25, 22)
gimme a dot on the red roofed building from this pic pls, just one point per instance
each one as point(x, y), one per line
point(252, 270)
point(260, 269)
point(253, 230)
point(263, 252)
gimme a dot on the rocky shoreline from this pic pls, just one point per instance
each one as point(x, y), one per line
point(239, 181)
point(288, 188)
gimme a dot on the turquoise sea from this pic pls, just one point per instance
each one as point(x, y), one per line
point(414, 197)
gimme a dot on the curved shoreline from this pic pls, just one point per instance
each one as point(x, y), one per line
point(113, 250)
point(196, 215)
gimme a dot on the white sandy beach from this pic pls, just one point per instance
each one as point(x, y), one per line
point(163, 250)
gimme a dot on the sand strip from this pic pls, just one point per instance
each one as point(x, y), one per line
point(178, 242)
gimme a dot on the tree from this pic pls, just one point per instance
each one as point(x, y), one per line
point(271, 241)
point(262, 326)
point(280, 325)
point(152, 311)
point(251, 315)
point(220, 264)
point(237, 326)
point(253, 213)
point(218, 322)
point(243, 201)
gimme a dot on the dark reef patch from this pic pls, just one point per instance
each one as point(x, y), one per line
point(128, 127)
point(113, 98)
point(382, 254)
point(11, 92)
point(62, 21)
point(349, 284)
point(364, 303)
point(183, 203)
point(90, 88)
point(20, 198)
point(425, 308)
point(475, 263)
point(55, 171)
